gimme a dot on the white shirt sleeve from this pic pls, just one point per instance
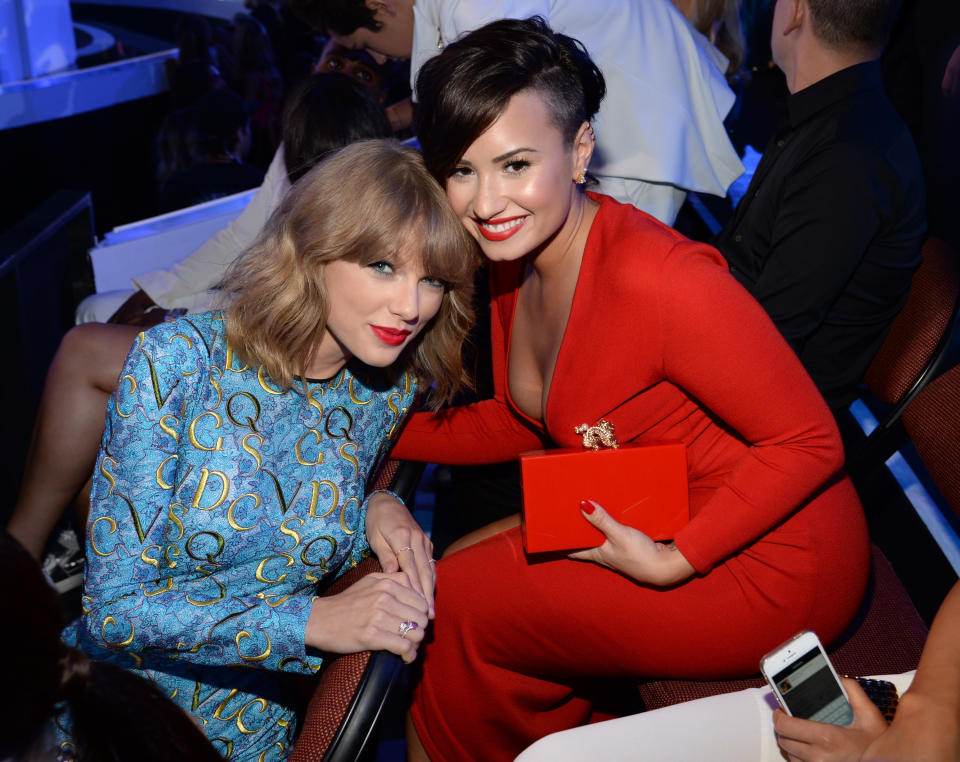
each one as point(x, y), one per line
point(187, 283)
point(437, 23)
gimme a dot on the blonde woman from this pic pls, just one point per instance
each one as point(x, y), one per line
point(232, 471)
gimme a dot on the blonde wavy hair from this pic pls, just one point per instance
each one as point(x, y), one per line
point(363, 203)
point(719, 21)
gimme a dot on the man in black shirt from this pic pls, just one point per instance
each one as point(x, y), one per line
point(828, 234)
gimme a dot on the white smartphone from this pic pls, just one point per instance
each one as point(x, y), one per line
point(805, 682)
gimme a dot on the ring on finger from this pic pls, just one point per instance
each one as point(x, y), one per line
point(405, 547)
point(432, 561)
point(406, 627)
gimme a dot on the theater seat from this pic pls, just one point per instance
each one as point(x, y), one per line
point(886, 637)
point(351, 689)
point(349, 696)
point(932, 421)
point(912, 353)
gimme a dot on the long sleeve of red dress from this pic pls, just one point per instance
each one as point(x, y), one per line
point(666, 345)
point(488, 431)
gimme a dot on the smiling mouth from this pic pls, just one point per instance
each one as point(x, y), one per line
point(392, 336)
point(500, 229)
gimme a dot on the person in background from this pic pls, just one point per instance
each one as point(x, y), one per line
point(926, 725)
point(921, 75)
point(221, 127)
point(176, 144)
point(330, 111)
point(828, 234)
point(718, 21)
point(255, 77)
point(660, 132)
point(738, 727)
point(354, 63)
point(233, 470)
point(107, 703)
point(196, 68)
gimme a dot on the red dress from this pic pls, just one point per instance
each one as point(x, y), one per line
point(662, 342)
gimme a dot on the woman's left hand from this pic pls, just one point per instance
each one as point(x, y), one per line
point(400, 543)
point(631, 552)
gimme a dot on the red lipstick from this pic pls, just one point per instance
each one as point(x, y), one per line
point(392, 336)
point(504, 233)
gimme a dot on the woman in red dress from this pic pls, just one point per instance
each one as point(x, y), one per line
point(599, 311)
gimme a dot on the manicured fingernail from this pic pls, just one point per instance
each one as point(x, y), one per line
point(587, 506)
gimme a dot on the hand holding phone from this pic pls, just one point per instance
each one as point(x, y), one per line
point(805, 682)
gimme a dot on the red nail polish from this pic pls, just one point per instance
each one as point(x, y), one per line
point(587, 507)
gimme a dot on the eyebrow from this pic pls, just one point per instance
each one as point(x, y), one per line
point(508, 154)
point(503, 156)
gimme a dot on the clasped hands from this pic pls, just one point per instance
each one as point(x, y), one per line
point(631, 552)
point(368, 615)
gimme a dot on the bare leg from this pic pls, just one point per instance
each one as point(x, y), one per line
point(415, 750)
point(67, 431)
point(472, 538)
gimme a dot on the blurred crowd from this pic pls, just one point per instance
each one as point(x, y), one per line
point(229, 87)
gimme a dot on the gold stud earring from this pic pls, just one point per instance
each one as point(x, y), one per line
point(581, 178)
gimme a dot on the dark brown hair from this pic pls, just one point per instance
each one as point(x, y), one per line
point(329, 111)
point(464, 89)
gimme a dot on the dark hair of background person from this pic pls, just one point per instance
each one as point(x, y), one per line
point(217, 116)
point(193, 38)
point(257, 80)
point(252, 51)
point(845, 23)
point(337, 16)
point(189, 80)
point(272, 22)
point(176, 144)
point(329, 111)
point(116, 715)
point(464, 89)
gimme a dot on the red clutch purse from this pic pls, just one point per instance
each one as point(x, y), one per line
point(643, 486)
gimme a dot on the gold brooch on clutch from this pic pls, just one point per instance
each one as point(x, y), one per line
point(595, 436)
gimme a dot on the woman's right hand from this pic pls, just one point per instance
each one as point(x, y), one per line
point(808, 741)
point(368, 616)
point(631, 552)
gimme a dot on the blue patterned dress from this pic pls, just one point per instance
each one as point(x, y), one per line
point(218, 503)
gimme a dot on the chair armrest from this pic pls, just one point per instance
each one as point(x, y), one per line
point(352, 689)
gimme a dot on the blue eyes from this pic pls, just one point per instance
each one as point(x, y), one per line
point(386, 269)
